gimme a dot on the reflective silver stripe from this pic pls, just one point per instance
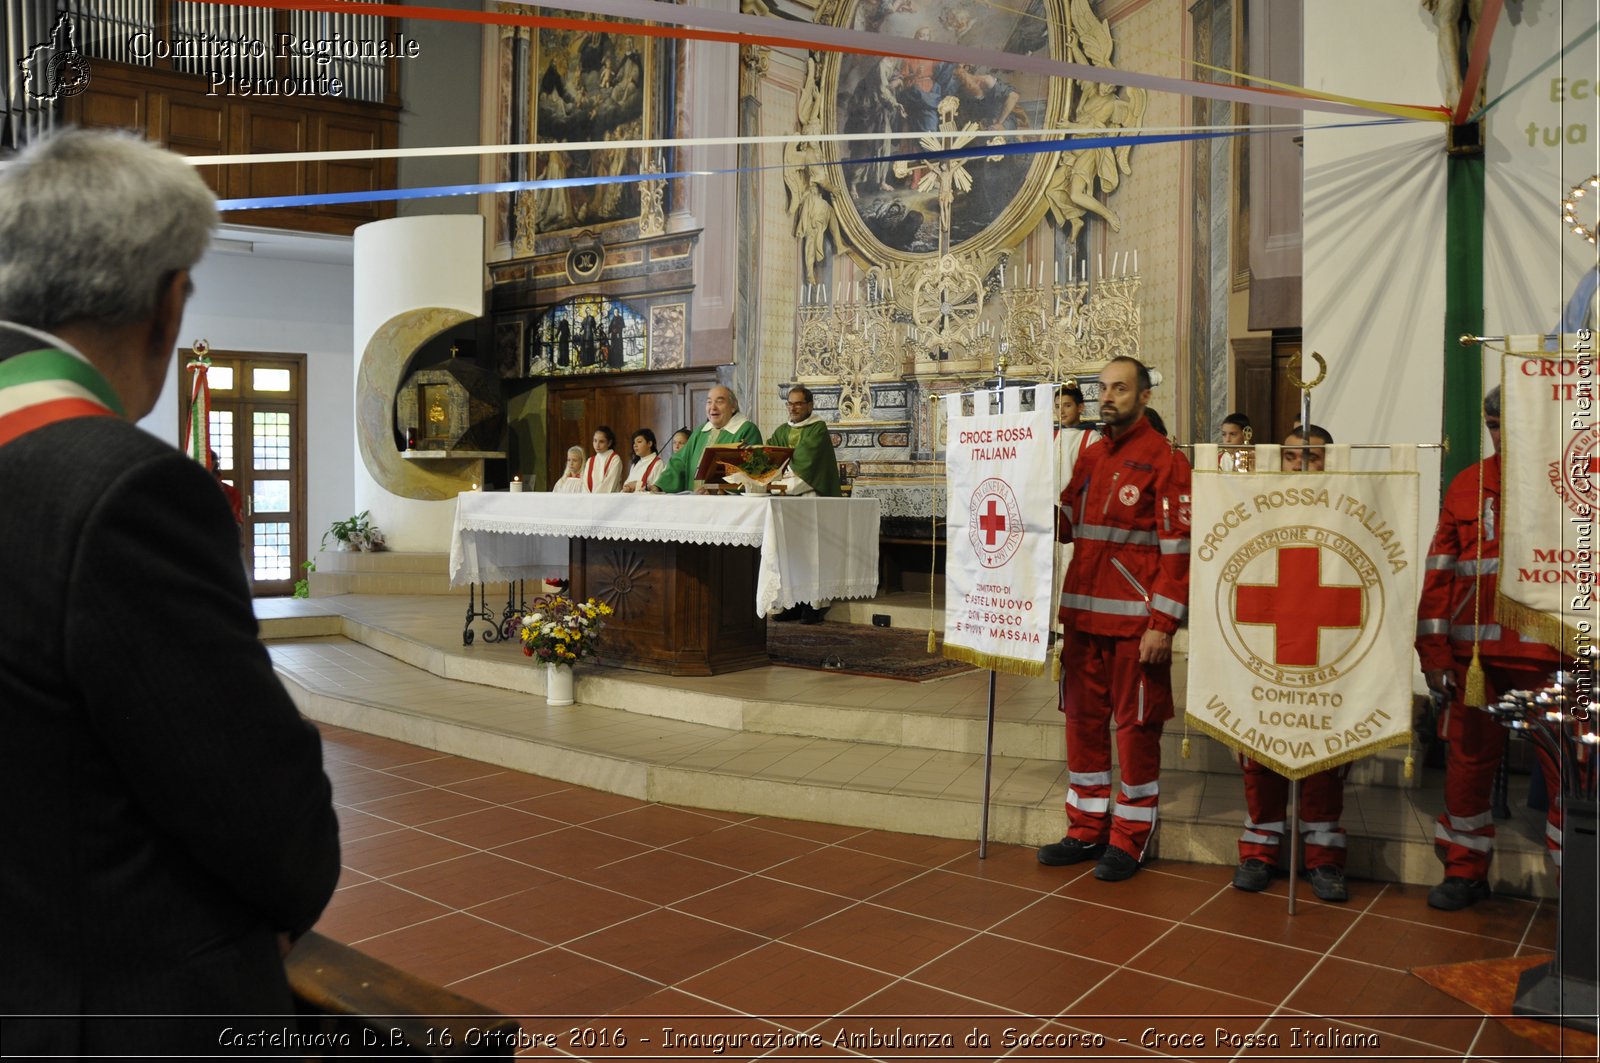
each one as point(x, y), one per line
point(1088, 778)
point(1326, 839)
point(1106, 533)
point(1174, 546)
point(1482, 633)
point(1176, 610)
point(1478, 566)
point(1093, 805)
point(1440, 561)
point(1120, 567)
point(1552, 832)
point(1135, 813)
point(1554, 855)
point(1481, 820)
point(1275, 825)
point(1144, 789)
point(1307, 827)
point(1110, 606)
point(1466, 841)
point(1259, 839)
point(1433, 627)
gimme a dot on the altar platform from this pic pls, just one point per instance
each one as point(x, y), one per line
point(851, 750)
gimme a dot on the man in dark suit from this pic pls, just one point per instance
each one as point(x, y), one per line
point(168, 828)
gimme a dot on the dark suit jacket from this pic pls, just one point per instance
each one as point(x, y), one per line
point(163, 809)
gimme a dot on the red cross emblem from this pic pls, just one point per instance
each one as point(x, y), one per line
point(993, 523)
point(1298, 606)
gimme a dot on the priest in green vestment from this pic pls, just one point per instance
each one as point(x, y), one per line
point(813, 469)
point(725, 425)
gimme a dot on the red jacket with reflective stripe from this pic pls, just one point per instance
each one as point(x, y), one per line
point(1127, 511)
point(1459, 581)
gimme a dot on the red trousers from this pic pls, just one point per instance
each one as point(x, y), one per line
point(1266, 802)
point(1464, 835)
point(1101, 681)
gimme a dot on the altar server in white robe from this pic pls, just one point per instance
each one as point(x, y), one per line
point(571, 482)
point(647, 464)
point(605, 470)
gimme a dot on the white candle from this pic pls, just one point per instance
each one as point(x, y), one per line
point(1030, 274)
point(1100, 266)
point(1071, 270)
point(1136, 261)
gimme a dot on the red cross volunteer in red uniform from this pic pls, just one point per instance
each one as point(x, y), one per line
point(1456, 613)
point(1266, 793)
point(1126, 592)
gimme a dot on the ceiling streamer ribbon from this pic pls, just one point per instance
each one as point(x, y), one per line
point(698, 23)
point(1415, 111)
point(974, 150)
point(1594, 27)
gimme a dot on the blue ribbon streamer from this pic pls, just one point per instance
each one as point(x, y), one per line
point(977, 149)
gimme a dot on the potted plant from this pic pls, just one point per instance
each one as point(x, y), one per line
point(559, 632)
point(354, 533)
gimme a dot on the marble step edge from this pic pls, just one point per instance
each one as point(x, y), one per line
point(1201, 839)
point(413, 561)
point(1028, 739)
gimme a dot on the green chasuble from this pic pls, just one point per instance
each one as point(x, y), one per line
point(679, 473)
point(813, 460)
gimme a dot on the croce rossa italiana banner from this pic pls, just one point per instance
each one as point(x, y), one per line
point(999, 533)
point(1302, 610)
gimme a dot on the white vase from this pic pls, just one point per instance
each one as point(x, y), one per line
point(558, 684)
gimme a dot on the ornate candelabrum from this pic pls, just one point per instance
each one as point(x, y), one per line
point(852, 341)
point(1055, 330)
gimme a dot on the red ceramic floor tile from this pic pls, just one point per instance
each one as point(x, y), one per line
point(363, 785)
point(560, 910)
point(881, 938)
point(779, 981)
point(507, 787)
point(1403, 945)
point(763, 906)
point(548, 988)
point(659, 825)
point(420, 807)
point(445, 771)
point(472, 879)
point(1151, 891)
point(1266, 916)
point(450, 948)
point(397, 851)
point(1506, 918)
point(572, 851)
point(960, 899)
point(579, 805)
point(1016, 865)
point(662, 877)
point(492, 827)
point(826, 833)
point(912, 848)
point(370, 751)
point(355, 825)
point(745, 847)
point(1141, 1012)
point(1386, 1000)
point(1069, 925)
point(371, 908)
point(1013, 974)
point(845, 871)
point(1312, 1036)
point(666, 946)
point(1243, 966)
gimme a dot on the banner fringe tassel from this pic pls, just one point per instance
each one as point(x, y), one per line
point(1536, 624)
point(994, 661)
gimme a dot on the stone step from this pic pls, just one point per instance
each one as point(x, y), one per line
point(748, 743)
point(382, 572)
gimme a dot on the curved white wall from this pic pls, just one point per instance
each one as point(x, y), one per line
point(408, 264)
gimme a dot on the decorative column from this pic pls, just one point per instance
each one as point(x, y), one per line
point(753, 61)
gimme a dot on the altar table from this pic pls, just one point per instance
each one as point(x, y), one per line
point(691, 577)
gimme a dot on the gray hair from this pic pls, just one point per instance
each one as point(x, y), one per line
point(92, 225)
point(1491, 403)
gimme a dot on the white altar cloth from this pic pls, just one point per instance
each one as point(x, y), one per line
point(811, 548)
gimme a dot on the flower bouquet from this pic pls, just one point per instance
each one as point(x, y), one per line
point(756, 473)
point(558, 630)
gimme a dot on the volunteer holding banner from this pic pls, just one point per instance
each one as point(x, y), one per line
point(1456, 627)
point(1126, 592)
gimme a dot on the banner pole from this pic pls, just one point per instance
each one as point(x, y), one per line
point(1292, 828)
point(988, 766)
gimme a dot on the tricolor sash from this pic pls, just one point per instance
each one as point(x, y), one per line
point(41, 387)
